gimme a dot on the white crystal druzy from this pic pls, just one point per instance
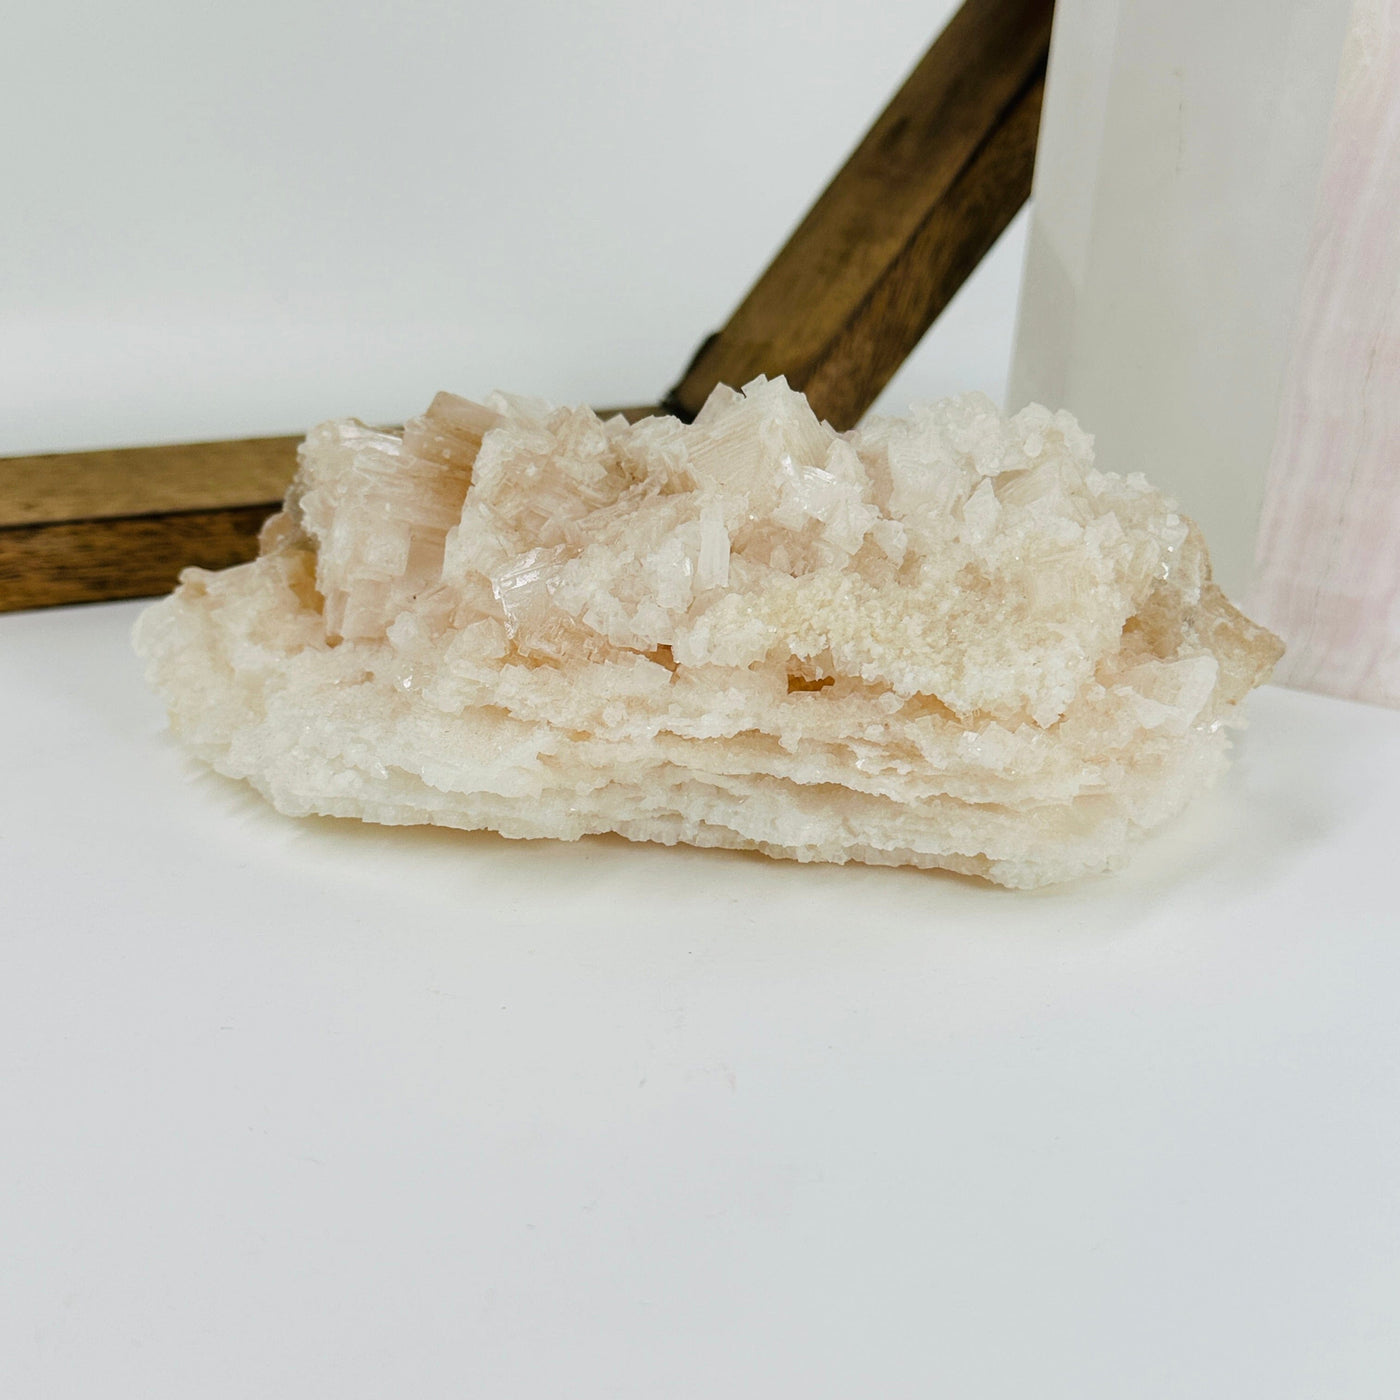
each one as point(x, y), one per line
point(944, 641)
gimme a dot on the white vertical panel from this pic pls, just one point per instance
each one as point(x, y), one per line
point(1181, 149)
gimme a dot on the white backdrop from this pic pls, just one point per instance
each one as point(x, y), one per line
point(241, 219)
point(310, 1109)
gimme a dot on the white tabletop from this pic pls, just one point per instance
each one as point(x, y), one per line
point(318, 1109)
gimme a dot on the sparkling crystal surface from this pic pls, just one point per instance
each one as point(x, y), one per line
point(943, 641)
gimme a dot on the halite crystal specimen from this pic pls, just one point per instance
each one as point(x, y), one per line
point(943, 641)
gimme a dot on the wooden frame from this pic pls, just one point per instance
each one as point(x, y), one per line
point(901, 226)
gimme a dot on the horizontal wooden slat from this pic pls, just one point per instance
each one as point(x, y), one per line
point(79, 527)
point(86, 561)
point(184, 476)
point(199, 476)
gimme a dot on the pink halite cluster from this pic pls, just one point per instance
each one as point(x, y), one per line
point(945, 640)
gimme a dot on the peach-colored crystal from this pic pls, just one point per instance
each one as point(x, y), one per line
point(943, 641)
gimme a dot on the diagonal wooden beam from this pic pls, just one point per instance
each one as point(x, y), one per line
point(881, 333)
point(898, 230)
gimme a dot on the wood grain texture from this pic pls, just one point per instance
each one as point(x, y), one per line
point(943, 252)
point(943, 170)
point(87, 561)
point(187, 476)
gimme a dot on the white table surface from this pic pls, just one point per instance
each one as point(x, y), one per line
point(318, 1109)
